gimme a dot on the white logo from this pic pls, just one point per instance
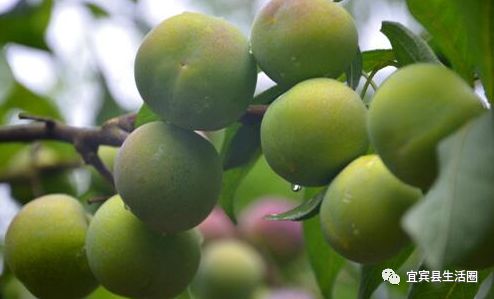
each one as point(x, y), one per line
point(390, 276)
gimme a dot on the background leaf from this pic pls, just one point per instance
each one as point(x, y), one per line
point(455, 217)
point(446, 290)
point(372, 274)
point(440, 18)
point(25, 100)
point(407, 46)
point(240, 150)
point(26, 24)
point(325, 262)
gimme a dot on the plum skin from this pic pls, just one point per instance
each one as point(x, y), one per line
point(361, 211)
point(196, 71)
point(313, 130)
point(169, 177)
point(45, 248)
point(131, 260)
point(294, 40)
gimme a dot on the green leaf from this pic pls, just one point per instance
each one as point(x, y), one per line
point(26, 24)
point(377, 59)
point(97, 10)
point(308, 209)
point(269, 95)
point(446, 290)
point(7, 151)
point(325, 262)
point(231, 181)
point(243, 146)
point(408, 47)
point(240, 150)
point(454, 220)
point(372, 274)
point(145, 115)
point(109, 107)
point(441, 19)
point(354, 71)
point(25, 100)
point(477, 17)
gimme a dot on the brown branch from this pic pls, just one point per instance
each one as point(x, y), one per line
point(87, 140)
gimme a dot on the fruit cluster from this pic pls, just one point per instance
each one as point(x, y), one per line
point(198, 72)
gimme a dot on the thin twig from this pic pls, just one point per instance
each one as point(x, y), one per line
point(368, 82)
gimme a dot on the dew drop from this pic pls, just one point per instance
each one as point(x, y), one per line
point(296, 188)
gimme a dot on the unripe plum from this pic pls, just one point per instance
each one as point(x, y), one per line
point(313, 130)
point(411, 112)
point(169, 177)
point(196, 71)
point(217, 226)
point(44, 248)
point(283, 239)
point(131, 260)
point(362, 209)
point(229, 269)
point(294, 40)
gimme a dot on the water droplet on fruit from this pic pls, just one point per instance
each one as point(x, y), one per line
point(296, 188)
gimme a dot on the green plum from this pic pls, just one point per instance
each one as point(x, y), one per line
point(412, 111)
point(229, 269)
point(294, 40)
point(313, 130)
point(362, 209)
point(196, 71)
point(45, 248)
point(131, 260)
point(169, 177)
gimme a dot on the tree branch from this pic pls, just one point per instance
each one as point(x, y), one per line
point(87, 140)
